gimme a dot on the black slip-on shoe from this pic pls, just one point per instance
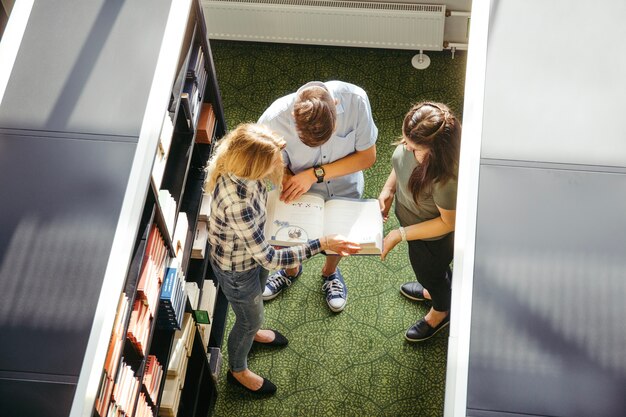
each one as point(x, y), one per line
point(279, 340)
point(268, 388)
point(413, 291)
point(421, 330)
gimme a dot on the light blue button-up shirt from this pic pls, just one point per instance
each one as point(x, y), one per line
point(355, 131)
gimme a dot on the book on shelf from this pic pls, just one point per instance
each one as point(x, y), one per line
point(193, 293)
point(191, 89)
point(104, 395)
point(163, 149)
point(215, 362)
point(152, 376)
point(180, 234)
point(200, 240)
point(168, 209)
point(207, 299)
point(143, 408)
point(172, 299)
point(206, 124)
point(196, 61)
point(201, 316)
point(139, 326)
point(126, 389)
point(117, 337)
point(152, 270)
point(204, 330)
point(181, 347)
point(185, 103)
point(205, 207)
point(171, 397)
point(310, 217)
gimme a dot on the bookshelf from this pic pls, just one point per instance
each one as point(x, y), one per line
point(103, 164)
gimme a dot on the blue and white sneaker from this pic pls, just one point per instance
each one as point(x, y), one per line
point(336, 291)
point(277, 282)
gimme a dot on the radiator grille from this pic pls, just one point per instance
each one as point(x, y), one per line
point(328, 22)
point(347, 4)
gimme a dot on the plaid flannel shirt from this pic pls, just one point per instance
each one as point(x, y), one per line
point(236, 229)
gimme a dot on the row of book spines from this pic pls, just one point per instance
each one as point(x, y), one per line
point(197, 74)
point(117, 336)
point(143, 408)
point(196, 61)
point(125, 391)
point(152, 377)
point(172, 300)
point(118, 394)
point(182, 346)
point(152, 269)
point(177, 368)
point(139, 326)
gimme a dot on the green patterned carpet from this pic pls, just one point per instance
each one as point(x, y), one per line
point(355, 363)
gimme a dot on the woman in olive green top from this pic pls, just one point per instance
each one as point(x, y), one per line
point(424, 183)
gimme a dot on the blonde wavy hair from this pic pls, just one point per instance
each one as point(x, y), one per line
point(248, 151)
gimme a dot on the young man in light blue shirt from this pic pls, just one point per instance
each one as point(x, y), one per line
point(331, 139)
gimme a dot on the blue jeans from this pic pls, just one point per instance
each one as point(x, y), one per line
point(243, 290)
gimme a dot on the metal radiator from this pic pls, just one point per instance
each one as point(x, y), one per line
point(328, 22)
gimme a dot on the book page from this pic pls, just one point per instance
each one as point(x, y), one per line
point(358, 220)
point(296, 222)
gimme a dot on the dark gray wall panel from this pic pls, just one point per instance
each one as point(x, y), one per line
point(85, 66)
point(554, 82)
point(35, 399)
point(61, 200)
point(548, 331)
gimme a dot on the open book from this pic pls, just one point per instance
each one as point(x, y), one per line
point(309, 217)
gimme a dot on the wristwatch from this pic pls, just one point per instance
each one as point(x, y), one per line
point(319, 173)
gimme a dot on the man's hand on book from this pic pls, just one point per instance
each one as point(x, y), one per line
point(296, 185)
point(339, 245)
point(390, 242)
point(385, 199)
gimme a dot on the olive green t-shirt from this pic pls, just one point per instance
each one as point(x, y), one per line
point(407, 211)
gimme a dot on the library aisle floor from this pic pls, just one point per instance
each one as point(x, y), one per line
point(355, 363)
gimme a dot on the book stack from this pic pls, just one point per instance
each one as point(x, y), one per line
point(125, 392)
point(139, 326)
point(163, 149)
point(200, 240)
point(205, 207)
point(168, 208)
point(207, 305)
point(152, 270)
point(152, 377)
point(143, 408)
point(170, 398)
point(177, 368)
point(206, 124)
point(113, 355)
point(173, 297)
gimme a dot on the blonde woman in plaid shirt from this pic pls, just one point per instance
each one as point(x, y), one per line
point(239, 254)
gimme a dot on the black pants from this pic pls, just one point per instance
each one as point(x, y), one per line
point(430, 260)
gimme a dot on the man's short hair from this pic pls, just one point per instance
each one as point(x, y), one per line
point(315, 114)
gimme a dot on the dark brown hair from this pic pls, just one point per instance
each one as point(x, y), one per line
point(435, 128)
point(315, 115)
